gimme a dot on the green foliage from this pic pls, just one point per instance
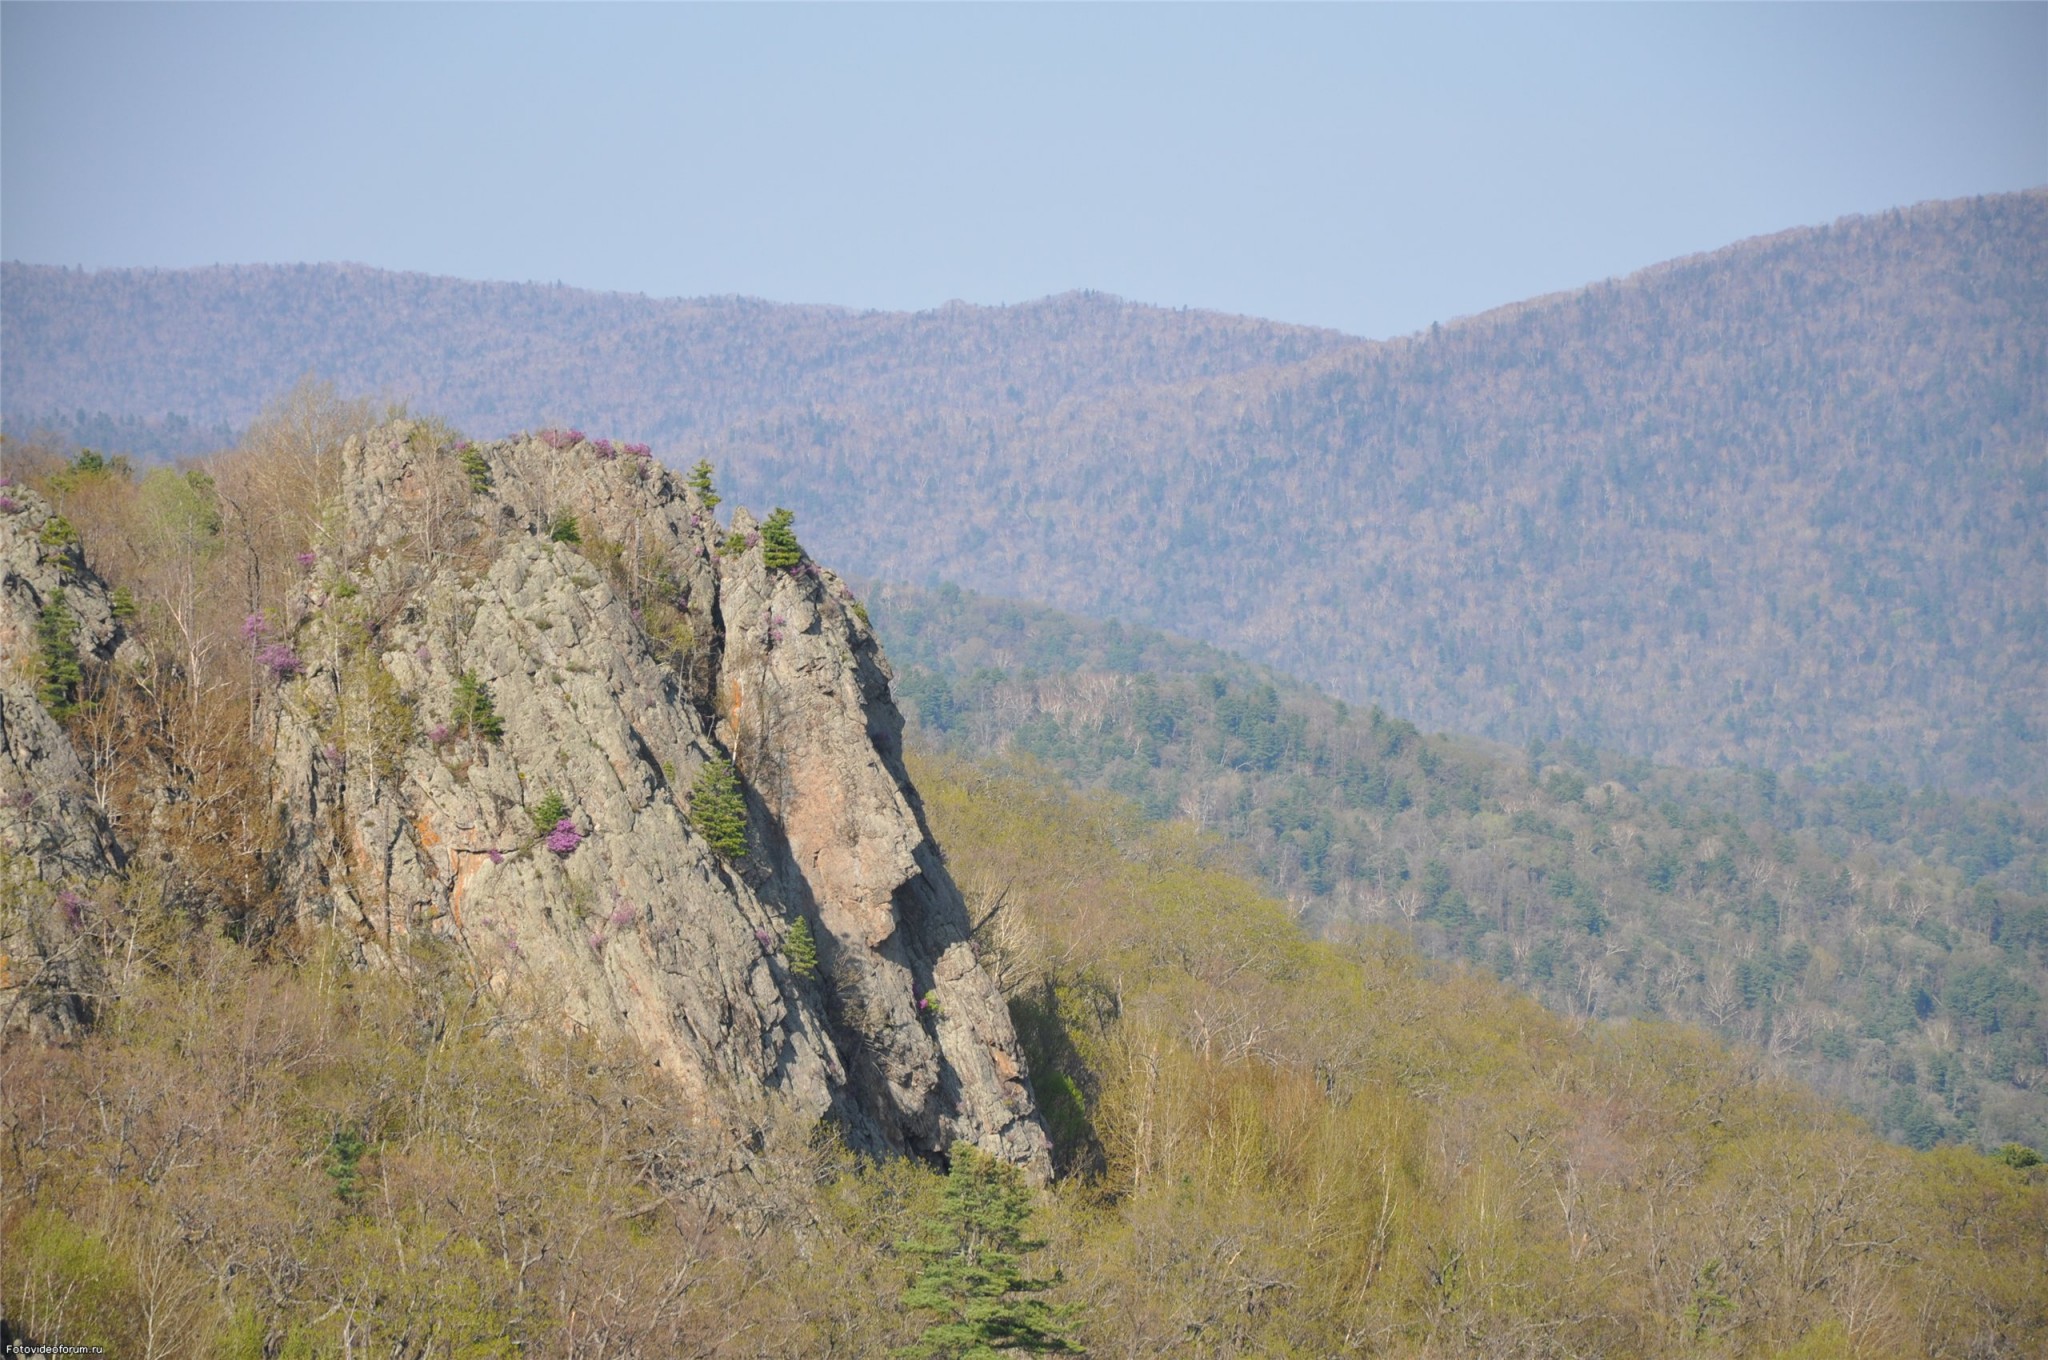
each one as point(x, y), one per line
point(550, 810)
point(58, 533)
point(475, 714)
point(718, 810)
point(2018, 1156)
point(58, 669)
point(699, 481)
point(88, 466)
point(564, 530)
point(779, 549)
point(82, 1286)
point(1783, 911)
point(477, 468)
point(345, 1149)
point(123, 602)
point(800, 947)
point(972, 1278)
point(735, 544)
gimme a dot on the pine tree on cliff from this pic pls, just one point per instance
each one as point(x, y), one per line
point(700, 482)
point(779, 549)
point(719, 810)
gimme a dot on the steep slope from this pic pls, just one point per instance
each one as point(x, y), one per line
point(56, 853)
point(479, 741)
point(190, 350)
point(1888, 948)
point(1782, 504)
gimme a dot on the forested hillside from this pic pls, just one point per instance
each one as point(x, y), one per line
point(1888, 947)
point(282, 1128)
point(189, 350)
point(1782, 504)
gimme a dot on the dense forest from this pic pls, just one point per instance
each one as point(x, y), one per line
point(1265, 1143)
point(1889, 947)
point(1780, 505)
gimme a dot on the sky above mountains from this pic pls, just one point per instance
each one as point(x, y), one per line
point(1370, 168)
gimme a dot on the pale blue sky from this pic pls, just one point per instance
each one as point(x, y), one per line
point(1372, 168)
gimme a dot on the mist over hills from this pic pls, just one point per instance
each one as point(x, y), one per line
point(1781, 505)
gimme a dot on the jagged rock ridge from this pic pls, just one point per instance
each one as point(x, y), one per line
point(56, 853)
point(624, 641)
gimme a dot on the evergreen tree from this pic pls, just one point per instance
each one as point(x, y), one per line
point(800, 947)
point(564, 530)
point(700, 482)
point(478, 470)
point(971, 1277)
point(719, 810)
point(58, 673)
point(475, 714)
point(779, 548)
point(551, 811)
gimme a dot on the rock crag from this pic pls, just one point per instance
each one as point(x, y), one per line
point(57, 856)
point(505, 673)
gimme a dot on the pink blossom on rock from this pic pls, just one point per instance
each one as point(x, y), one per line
point(639, 450)
point(624, 914)
point(604, 450)
point(495, 855)
point(73, 907)
point(441, 734)
point(281, 661)
point(565, 837)
point(9, 506)
point(307, 559)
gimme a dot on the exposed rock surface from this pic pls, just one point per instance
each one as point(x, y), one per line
point(624, 641)
point(56, 854)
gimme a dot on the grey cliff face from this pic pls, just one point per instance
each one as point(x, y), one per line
point(57, 856)
point(624, 642)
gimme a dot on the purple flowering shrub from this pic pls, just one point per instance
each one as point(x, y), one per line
point(564, 839)
point(255, 628)
point(603, 449)
point(636, 450)
point(73, 908)
point(9, 506)
point(280, 660)
point(560, 439)
point(307, 559)
point(624, 915)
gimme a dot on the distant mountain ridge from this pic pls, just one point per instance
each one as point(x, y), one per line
point(1782, 504)
point(215, 345)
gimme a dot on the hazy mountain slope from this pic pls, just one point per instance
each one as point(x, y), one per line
point(1785, 503)
point(215, 345)
point(1782, 504)
point(1889, 948)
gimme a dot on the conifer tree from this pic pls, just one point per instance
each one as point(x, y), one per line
point(972, 1279)
point(719, 810)
point(58, 672)
point(475, 714)
point(779, 548)
point(800, 947)
point(700, 482)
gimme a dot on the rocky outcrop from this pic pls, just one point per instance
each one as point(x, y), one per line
point(57, 857)
point(550, 618)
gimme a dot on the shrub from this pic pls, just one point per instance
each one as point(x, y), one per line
point(563, 837)
point(550, 813)
point(475, 715)
point(58, 533)
point(719, 810)
point(735, 544)
point(280, 660)
point(800, 947)
point(779, 549)
point(699, 481)
point(564, 530)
